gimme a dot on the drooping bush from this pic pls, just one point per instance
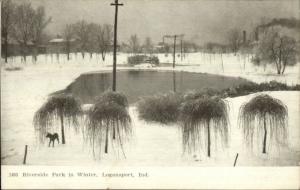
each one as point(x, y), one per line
point(108, 120)
point(264, 115)
point(58, 107)
point(199, 118)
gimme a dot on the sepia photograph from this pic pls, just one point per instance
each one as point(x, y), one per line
point(197, 85)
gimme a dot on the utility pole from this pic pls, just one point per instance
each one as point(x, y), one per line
point(181, 50)
point(116, 4)
point(174, 49)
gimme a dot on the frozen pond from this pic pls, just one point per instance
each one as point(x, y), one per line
point(139, 83)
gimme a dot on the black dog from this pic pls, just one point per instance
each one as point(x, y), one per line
point(52, 138)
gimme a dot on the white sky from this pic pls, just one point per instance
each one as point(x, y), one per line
point(203, 20)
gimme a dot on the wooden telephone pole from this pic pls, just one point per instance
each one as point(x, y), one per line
point(116, 4)
point(174, 49)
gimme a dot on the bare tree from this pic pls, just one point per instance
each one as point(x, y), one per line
point(134, 44)
point(92, 38)
point(104, 39)
point(23, 24)
point(234, 39)
point(276, 49)
point(288, 52)
point(68, 34)
point(148, 45)
point(39, 24)
point(7, 11)
point(81, 33)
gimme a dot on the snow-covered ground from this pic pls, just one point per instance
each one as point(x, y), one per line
point(223, 64)
point(24, 91)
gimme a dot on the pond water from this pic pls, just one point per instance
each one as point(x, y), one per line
point(136, 83)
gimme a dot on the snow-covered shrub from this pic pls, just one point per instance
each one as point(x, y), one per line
point(154, 60)
point(163, 108)
point(243, 89)
point(138, 59)
point(296, 87)
point(251, 87)
point(13, 68)
point(116, 97)
point(192, 95)
point(273, 85)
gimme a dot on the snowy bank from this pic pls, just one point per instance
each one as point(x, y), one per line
point(24, 91)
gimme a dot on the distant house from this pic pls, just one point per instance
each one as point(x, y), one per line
point(160, 47)
point(14, 48)
point(58, 45)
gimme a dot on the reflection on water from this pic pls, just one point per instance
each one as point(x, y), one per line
point(135, 84)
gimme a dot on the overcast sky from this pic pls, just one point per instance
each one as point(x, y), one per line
point(203, 20)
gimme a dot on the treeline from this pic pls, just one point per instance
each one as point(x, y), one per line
point(269, 43)
point(89, 37)
point(24, 25)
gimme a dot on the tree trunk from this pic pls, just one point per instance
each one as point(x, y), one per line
point(278, 71)
point(279, 62)
point(68, 50)
point(174, 52)
point(114, 133)
point(106, 140)
point(208, 139)
point(103, 56)
point(62, 129)
point(222, 63)
point(278, 68)
point(35, 51)
point(25, 155)
point(24, 48)
point(174, 81)
point(265, 136)
point(6, 46)
point(57, 57)
point(283, 68)
point(181, 50)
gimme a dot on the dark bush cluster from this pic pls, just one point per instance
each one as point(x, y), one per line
point(192, 95)
point(251, 87)
point(13, 68)
point(138, 59)
point(162, 108)
point(165, 108)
